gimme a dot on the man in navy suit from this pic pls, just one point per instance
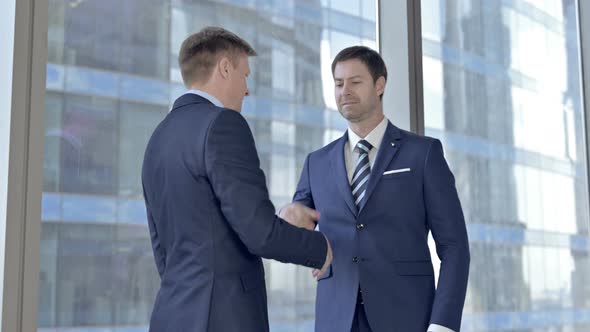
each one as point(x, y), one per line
point(380, 190)
point(209, 213)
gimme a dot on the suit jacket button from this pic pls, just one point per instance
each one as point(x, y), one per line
point(355, 259)
point(360, 226)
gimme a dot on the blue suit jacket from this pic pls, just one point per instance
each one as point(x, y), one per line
point(210, 220)
point(382, 248)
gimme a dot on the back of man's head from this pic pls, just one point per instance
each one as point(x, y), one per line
point(201, 51)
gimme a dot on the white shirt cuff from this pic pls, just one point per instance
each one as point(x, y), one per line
point(438, 328)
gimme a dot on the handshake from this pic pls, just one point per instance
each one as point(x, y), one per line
point(301, 216)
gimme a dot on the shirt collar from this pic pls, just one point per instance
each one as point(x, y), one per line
point(207, 96)
point(374, 137)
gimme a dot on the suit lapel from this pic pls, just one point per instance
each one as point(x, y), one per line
point(339, 172)
point(390, 145)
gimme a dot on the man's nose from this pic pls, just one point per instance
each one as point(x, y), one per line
point(346, 89)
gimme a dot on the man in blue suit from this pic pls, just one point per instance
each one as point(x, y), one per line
point(380, 190)
point(209, 213)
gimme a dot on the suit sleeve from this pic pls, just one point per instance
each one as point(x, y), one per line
point(159, 253)
point(233, 168)
point(303, 192)
point(446, 221)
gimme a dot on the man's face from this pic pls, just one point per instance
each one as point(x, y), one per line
point(238, 87)
point(357, 96)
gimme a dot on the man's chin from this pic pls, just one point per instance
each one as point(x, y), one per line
point(349, 115)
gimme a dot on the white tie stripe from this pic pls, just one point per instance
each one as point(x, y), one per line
point(358, 200)
point(361, 173)
point(365, 179)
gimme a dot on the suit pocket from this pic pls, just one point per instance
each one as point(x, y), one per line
point(252, 280)
point(328, 273)
point(414, 268)
point(397, 175)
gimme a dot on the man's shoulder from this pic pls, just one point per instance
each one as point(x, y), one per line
point(416, 140)
point(204, 114)
point(188, 107)
point(325, 150)
point(225, 117)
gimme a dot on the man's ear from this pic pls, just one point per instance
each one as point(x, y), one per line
point(380, 85)
point(223, 66)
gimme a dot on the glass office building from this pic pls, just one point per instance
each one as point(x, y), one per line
point(501, 88)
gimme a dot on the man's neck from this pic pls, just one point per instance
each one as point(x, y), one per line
point(209, 88)
point(363, 128)
point(204, 88)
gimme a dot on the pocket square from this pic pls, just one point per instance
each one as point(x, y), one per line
point(401, 170)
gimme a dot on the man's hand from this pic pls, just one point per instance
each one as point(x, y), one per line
point(303, 217)
point(300, 215)
point(320, 273)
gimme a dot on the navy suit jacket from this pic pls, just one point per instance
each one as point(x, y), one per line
point(382, 247)
point(210, 221)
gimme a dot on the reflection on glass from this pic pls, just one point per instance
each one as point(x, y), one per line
point(111, 77)
point(502, 90)
point(88, 160)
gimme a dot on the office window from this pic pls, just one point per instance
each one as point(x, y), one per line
point(137, 122)
point(502, 91)
point(88, 135)
point(53, 142)
point(112, 75)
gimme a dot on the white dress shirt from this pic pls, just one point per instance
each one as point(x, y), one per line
point(207, 96)
point(351, 154)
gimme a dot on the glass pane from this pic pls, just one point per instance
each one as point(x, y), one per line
point(137, 122)
point(88, 135)
point(502, 91)
point(112, 75)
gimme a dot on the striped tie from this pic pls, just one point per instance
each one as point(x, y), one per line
point(361, 172)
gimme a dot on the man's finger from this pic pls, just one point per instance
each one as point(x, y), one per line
point(308, 224)
point(313, 214)
point(319, 275)
point(315, 273)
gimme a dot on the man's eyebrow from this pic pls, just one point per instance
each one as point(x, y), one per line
point(350, 78)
